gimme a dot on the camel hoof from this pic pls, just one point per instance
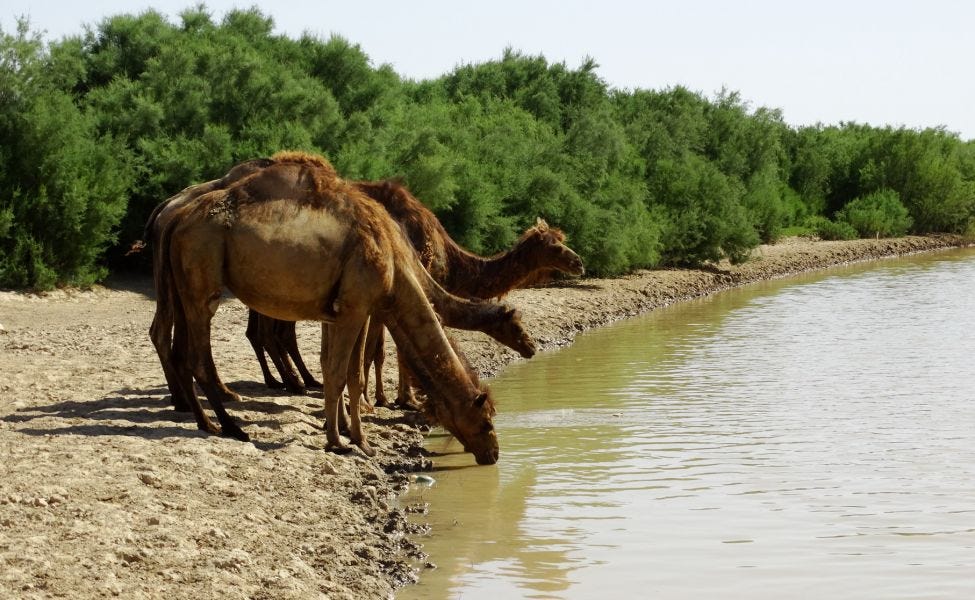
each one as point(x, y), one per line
point(274, 384)
point(366, 448)
point(180, 404)
point(208, 428)
point(235, 432)
point(315, 385)
point(339, 448)
point(296, 390)
point(407, 405)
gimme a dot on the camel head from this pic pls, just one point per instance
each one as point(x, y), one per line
point(470, 422)
point(509, 331)
point(547, 247)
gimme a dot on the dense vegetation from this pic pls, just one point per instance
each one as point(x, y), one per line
point(98, 128)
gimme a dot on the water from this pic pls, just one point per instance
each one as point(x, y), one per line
point(809, 438)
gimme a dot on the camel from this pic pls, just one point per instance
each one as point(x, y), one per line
point(537, 255)
point(498, 321)
point(171, 346)
point(294, 241)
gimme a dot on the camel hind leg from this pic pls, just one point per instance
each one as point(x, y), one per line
point(339, 340)
point(168, 334)
point(196, 271)
point(184, 372)
point(200, 358)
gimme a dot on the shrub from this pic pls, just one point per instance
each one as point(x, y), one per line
point(880, 214)
point(831, 230)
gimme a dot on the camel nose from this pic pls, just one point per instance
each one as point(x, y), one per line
point(488, 458)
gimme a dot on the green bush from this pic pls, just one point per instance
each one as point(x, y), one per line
point(880, 214)
point(98, 128)
point(830, 230)
point(64, 187)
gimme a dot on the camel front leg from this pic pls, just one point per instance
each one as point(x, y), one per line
point(338, 341)
point(405, 400)
point(253, 334)
point(374, 353)
point(287, 336)
point(356, 383)
point(270, 336)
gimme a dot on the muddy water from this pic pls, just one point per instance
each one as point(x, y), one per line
point(811, 438)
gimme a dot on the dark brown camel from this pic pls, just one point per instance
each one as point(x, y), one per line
point(536, 257)
point(295, 242)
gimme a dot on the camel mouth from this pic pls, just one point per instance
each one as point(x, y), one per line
point(529, 350)
point(487, 458)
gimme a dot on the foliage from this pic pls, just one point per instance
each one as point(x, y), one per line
point(63, 185)
point(97, 128)
point(830, 230)
point(880, 214)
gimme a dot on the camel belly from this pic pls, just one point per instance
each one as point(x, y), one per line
point(282, 273)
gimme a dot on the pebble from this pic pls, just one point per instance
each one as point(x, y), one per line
point(150, 479)
point(425, 480)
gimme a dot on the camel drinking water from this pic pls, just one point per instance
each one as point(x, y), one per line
point(537, 255)
point(295, 242)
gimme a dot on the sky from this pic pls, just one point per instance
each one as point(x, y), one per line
point(893, 62)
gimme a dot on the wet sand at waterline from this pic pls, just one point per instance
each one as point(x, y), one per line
point(105, 491)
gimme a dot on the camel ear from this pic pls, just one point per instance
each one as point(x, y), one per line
point(480, 399)
point(541, 224)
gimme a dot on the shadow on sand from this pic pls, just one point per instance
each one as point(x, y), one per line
point(140, 412)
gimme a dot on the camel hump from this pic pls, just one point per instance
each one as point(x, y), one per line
point(311, 160)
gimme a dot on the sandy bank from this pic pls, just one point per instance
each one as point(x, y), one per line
point(105, 491)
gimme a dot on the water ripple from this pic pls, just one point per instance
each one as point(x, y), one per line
point(818, 434)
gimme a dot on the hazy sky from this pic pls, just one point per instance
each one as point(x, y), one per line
point(890, 62)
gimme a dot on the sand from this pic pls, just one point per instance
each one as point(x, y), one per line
point(105, 491)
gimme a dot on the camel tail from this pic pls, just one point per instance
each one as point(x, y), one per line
point(136, 247)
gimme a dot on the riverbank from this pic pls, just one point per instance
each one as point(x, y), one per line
point(105, 491)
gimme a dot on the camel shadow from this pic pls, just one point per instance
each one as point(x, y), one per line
point(145, 413)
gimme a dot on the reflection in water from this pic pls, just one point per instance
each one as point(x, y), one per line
point(807, 438)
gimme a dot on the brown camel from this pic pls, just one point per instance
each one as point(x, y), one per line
point(295, 242)
point(171, 345)
point(536, 257)
point(498, 321)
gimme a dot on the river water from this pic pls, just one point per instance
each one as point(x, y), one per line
point(807, 438)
